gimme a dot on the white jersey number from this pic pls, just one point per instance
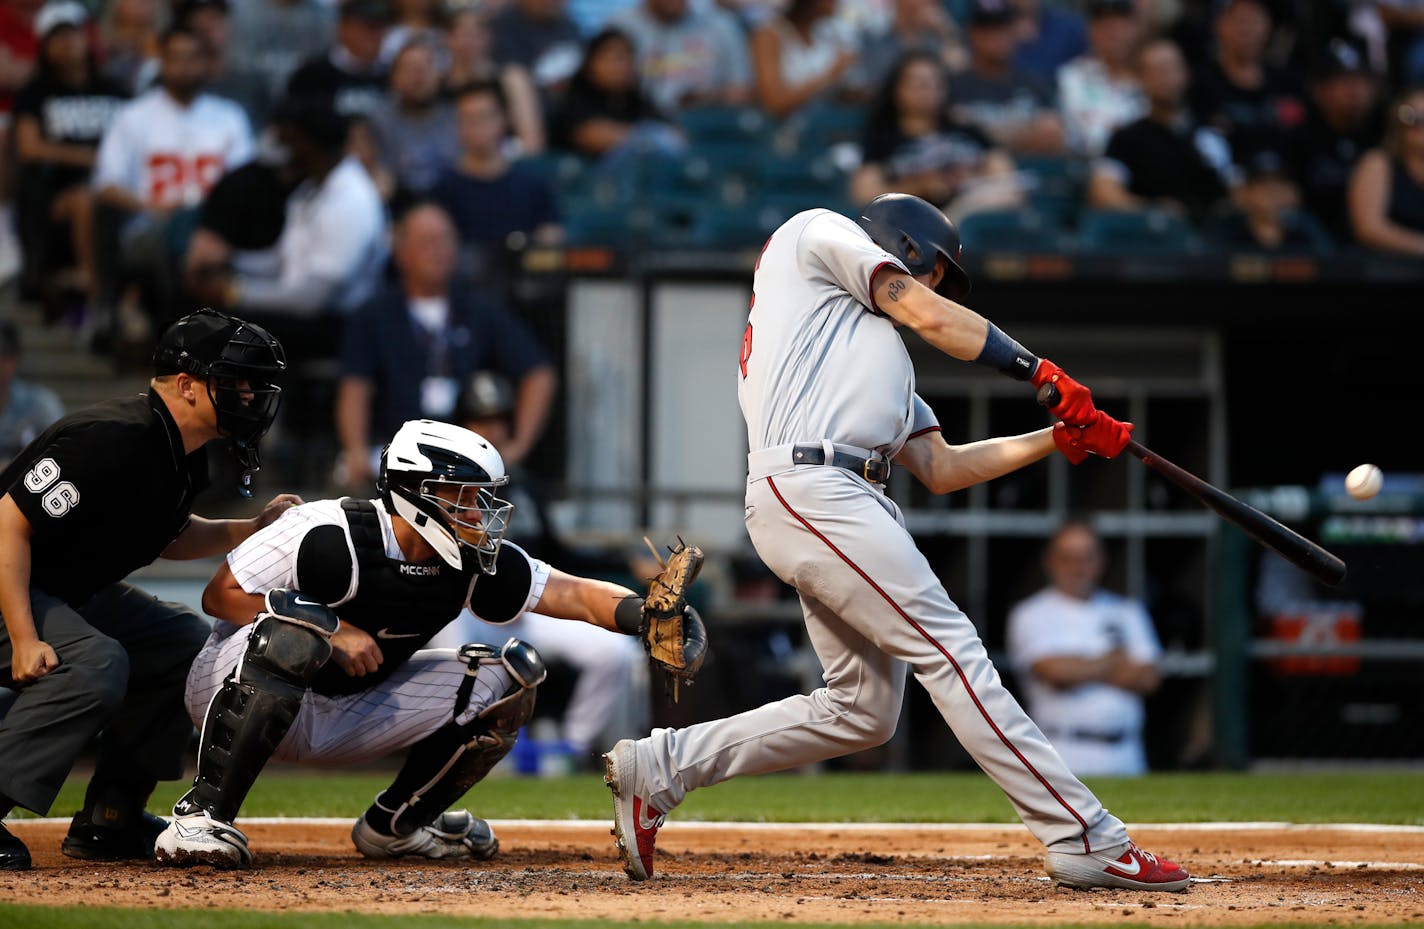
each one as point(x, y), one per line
point(58, 499)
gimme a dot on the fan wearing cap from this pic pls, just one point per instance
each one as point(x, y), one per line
point(94, 497)
point(1344, 122)
point(60, 116)
point(1013, 106)
point(1269, 217)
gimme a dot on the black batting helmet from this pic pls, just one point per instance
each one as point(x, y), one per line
point(916, 232)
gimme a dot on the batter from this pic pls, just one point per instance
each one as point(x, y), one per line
point(828, 393)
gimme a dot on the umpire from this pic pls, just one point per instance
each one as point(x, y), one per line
point(97, 495)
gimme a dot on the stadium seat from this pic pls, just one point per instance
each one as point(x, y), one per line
point(746, 228)
point(820, 127)
point(1023, 230)
point(614, 226)
point(747, 126)
point(1130, 232)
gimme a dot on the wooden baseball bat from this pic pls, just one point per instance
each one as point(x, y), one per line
point(1295, 548)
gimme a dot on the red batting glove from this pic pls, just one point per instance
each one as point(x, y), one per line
point(1105, 437)
point(1075, 402)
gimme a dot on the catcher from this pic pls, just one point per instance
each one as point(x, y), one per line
point(317, 657)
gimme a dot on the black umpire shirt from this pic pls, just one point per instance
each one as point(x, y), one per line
point(105, 490)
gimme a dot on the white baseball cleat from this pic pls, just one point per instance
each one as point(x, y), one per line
point(1126, 867)
point(456, 834)
point(197, 839)
point(635, 821)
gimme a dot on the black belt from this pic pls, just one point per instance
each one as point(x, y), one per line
point(874, 470)
point(1087, 735)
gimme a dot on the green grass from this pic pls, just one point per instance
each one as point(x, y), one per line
point(44, 917)
point(1369, 797)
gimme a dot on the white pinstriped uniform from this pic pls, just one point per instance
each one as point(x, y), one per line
point(414, 701)
point(820, 366)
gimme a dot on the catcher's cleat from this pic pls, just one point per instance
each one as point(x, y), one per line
point(456, 834)
point(1129, 869)
point(635, 821)
point(14, 856)
point(198, 839)
point(131, 842)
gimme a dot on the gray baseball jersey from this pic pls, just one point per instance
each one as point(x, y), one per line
point(819, 364)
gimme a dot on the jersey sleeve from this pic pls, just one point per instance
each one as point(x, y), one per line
point(74, 467)
point(514, 588)
point(922, 419)
point(835, 248)
point(273, 557)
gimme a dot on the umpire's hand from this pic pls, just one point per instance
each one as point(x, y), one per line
point(274, 509)
point(354, 651)
point(31, 661)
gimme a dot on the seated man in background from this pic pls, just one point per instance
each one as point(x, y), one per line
point(26, 409)
point(1098, 91)
point(1086, 658)
point(605, 661)
point(1014, 107)
point(498, 206)
point(351, 73)
point(332, 245)
point(158, 159)
point(1163, 160)
point(414, 127)
point(408, 352)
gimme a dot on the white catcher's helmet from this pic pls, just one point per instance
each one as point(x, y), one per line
point(442, 480)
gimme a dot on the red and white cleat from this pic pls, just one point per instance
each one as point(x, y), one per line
point(635, 822)
point(1130, 869)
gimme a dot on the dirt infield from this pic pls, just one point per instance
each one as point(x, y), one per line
point(809, 875)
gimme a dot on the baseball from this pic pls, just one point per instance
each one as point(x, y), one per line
point(1364, 482)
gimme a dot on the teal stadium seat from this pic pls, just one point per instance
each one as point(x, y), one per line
point(742, 125)
point(1021, 230)
point(1136, 233)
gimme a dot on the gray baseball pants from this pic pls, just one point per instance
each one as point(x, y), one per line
point(873, 606)
point(123, 659)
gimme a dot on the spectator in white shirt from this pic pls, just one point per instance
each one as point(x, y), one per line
point(332, 248)
point(1099, 92)
point(1086, 658)
point(157, 160)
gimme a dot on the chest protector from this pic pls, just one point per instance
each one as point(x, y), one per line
point(402, 604)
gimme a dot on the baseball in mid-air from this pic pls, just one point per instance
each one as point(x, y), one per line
point(1364, 481)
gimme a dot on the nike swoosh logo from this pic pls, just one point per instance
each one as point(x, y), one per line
point(643, 822)
point(387, 634)
point(300, 602)
point(1130, 868)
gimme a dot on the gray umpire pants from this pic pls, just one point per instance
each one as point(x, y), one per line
point(123, 660)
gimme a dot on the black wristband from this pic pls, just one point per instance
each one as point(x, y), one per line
point(1007, 356)
point(628, 615)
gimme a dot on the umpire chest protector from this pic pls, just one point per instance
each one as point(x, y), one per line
point(402, 604)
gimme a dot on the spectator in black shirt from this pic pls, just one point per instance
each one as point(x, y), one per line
point(60, 116)
point(1016, 108)
point(604, 113)
point(498, 207)
point(1343, 124)
point(1251, 103)
point(1386, 192)
point(539, 36)
point(99, 494)
point(352, 74)
point(1163, 160)
point(912, 146)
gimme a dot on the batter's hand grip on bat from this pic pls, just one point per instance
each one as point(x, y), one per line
point(1295, 548)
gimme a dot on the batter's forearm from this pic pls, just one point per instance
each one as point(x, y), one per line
point(992, 458)
point(950, 327)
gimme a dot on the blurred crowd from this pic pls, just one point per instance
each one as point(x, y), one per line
point(267, 156)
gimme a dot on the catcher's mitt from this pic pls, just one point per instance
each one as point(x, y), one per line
point(672, 632)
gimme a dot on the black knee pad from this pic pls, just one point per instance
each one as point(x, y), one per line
point(445, 764)
point(249, 717)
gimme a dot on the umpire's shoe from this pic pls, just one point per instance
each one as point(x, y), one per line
point(125, 841)
point(197, 838)
point(456, 834)
point(14, 856)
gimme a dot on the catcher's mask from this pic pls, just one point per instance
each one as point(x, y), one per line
point(442, 480)
point(241, 364)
